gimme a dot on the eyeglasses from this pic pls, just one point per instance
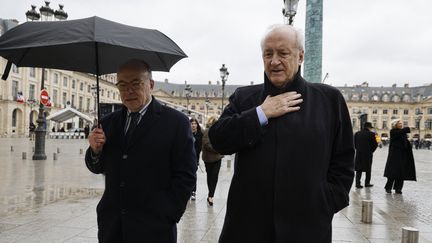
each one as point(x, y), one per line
point(122, 86)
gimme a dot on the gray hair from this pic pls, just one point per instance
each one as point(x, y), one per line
point(284, 27)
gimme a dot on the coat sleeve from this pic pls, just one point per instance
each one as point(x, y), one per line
point(236, 129)
point(94, 163)
point(340, 174)
point(373, 141)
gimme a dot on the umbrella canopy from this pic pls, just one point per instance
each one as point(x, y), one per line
point(91, 45)
point(79, 45)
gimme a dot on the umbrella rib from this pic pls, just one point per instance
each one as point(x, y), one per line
point(164, 64)
point(26, 50)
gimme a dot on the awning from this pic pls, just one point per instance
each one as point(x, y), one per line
point(66, 114)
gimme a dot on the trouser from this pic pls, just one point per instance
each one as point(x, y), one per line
point(195, 187)
point(358, 177)
point(395, 184)
point(212, 170)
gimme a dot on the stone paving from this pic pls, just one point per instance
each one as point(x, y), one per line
point(55, 200)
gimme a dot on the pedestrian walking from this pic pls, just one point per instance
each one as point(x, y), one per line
point(145, 150)
point(212, 160)
point(400, 161)
point(293, 142)
point(197, 133)
point(365, 144)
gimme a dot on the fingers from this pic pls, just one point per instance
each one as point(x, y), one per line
point(281, 104)
point(97, 139)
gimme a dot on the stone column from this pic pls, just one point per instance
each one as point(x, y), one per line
point(313, 41)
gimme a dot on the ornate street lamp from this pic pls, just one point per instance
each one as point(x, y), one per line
point(419, 113)
point(207, 104)
point(290, 10)
point(40, 130)
point(188, 90)
point(224, 77)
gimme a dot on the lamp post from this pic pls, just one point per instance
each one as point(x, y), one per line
point(418, 120)
point(290, 10)
point(207, 104)
point(46, 13)
point(224, 77)
point(188, 90)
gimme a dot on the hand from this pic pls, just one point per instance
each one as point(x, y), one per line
point(96, 139)
point(281, 104)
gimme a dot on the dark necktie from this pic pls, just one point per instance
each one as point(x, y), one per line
point(134, 116)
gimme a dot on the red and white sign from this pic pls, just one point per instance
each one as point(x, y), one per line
point(44, 97)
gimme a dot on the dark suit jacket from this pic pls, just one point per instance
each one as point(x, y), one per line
point(365, 144)
point(147, 183)
point(291, 175)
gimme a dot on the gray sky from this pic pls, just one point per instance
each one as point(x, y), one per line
point(379, 41)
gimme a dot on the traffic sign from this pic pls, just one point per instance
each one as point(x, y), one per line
point(44, 97)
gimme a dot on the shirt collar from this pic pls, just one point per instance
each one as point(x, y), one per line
point(143, 110)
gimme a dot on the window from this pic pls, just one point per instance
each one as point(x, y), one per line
point(114, 95)
point(374, 123)
point(428, 124)
point(73, 83)
point(384, 125)
point(65, 81)
point(80, 103)
point(108, 94)
point(396, 98)
point(406, 112)
point(375, 98)
point(406, 98)
point(64, 98)
point(429, 110)
point(355, 97)
point(81, 86)
point(88, 104)
point(55, 96)
point(405, 123)
point(31, 92)
point(32, 72)
point(88, 88)
point(56, 77)
point(354, 122)
point(73, 101)
point(15, 68)
point(102, 92)
point(395, 112)
point(385, 112)
point(386, 98)
point(375, 111)
point(14, 118)
point(14, 89)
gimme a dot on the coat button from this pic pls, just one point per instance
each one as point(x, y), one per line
point(124, 156)
point(122, 184)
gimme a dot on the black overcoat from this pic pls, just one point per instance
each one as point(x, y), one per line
point(400, 160)
point(365, 144)
point(291, 175)
point(147, 183)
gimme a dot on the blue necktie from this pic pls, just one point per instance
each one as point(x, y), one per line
point(134, 116)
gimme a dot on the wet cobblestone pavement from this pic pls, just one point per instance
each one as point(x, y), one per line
point(55, 200)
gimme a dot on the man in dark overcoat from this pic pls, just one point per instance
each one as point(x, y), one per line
point(294, 151)
point(146, 153)
point(365, 144)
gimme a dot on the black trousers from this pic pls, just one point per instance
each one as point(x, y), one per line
point(195, 187)
point(395, 184)
point(358, 177)
point(212, 170)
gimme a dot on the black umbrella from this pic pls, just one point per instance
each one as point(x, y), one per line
point(91, 45)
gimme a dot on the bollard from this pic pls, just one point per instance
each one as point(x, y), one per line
point(410, 235)
point(58, 150)
point(24, 155)
point(54, 156)
point(81, 151)
point(367, 209)
point(11, 148)
point(228, 163)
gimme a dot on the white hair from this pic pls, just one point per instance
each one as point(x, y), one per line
point(284, 27)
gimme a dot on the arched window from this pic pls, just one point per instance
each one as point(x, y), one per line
point(14, 118)
point(375, 98)
point(386, 98)
point(396, 98)
point(406, 98)
point(365, 97)
point(355, 97)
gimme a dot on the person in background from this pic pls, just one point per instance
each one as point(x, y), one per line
point(145, 150)
point(293, 146)
point(400, 161)
point(212, 160)
point(197, 133)
point(365, 144)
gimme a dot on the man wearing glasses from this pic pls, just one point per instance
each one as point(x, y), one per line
point(145, 151)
